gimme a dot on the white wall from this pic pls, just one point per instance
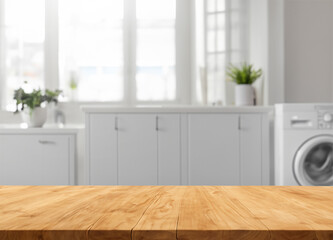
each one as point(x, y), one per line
point(308, 50)
point(9, 117)
point(266, 44)
point(276, 55)
point(292, 40)
point(258, 45)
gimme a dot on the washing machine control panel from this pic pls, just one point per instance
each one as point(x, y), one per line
point(325, 120)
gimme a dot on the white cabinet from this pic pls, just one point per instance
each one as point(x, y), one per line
point(213, 149)
point(168, 148)
point(101, 139)
point(227, 149)
point(133, 149)
point(137, 149)
point(36, 159)
point(177, 148)
point(251, 149)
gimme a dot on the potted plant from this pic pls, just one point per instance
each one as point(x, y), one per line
point(73, 84)
point(33, 105)
point(244, 76)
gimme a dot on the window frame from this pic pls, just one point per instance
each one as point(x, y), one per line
point(183, 43)
point(229, 10)
point(215, 53)
point(2, 53)
point(51, 54)
point(186, 53)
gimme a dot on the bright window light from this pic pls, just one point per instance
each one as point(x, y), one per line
point(24, 25)
point(155, 78)
point(104, 50)
point(91, 49)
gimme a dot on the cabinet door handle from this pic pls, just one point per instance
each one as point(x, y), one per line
point(239, 123)
point(116, 123)
point(46, 142)
point(156, 123)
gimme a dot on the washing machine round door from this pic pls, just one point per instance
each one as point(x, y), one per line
point(313, 162)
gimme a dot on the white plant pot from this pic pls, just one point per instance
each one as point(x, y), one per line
point(244, 95)
point(35, 118)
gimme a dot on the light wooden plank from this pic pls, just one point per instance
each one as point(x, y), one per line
point(287, 212)
point(161, 218)
point(120, 215)
point(35, 196)
point(36, 216)
point(18, 215)
point(208, 213)
point(165, 212)
point(80, 217)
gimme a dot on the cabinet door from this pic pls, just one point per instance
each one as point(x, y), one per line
point(250, 149)
point(213, 149)
point(21, 160)
point(168, 126)
point(137, 149)
point(102, 155)
point(34, 160)
point(55, 162)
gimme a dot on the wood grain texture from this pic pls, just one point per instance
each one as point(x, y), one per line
point(161, 218)
point(208, 213)
point(289, 212)
point(165, 212)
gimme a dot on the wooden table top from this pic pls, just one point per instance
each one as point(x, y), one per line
point(165, 212)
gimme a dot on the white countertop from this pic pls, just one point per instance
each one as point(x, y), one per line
point(46, 129)
point(176, 109)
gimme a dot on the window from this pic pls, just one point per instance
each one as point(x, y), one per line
point(113, 51)
point(122, 51)
point(215, 48)
point(222, 24)
point(23, 45)
point(102, 42)
point(91, 49)
point(155, 77)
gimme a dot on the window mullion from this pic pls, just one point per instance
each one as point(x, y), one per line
point(228, 30)
point(130, 51)
point(205, 10)
point(2, 54)
point(216, 67)
point(51, 74)
point(228, 49)
point(244, 30)
point(183, 51)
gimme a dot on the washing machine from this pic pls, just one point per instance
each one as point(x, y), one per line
point(304, 144)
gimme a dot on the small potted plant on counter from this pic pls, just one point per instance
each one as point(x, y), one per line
point(33, 105)
point(244, 76)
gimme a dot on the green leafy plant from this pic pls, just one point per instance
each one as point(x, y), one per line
point(245, 74)
point(73, 84)
point(34, 99)
point(73, 80)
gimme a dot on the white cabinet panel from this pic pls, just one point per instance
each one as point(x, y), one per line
point(174, 149)
point(21, 160)
point(250, 149)
point(35, 160)
point(137, 149)
point(168, 126)
point(213, 149)
point(102, 156)
point(134, 149)
point(55, 163)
